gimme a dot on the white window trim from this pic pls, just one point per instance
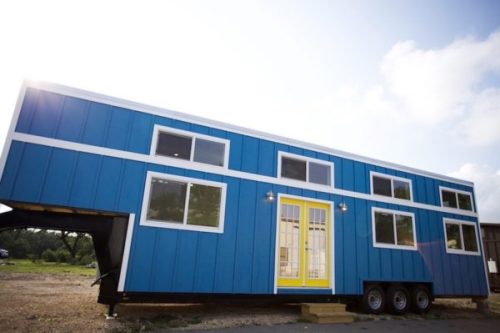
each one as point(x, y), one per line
point(441, 188)
point(299, 183)
point(391, 178)
point(394, 246)
point(463, 251)
point(184, 226)
point(160, 128)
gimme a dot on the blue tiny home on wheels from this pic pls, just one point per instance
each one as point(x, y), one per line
point(185, 208)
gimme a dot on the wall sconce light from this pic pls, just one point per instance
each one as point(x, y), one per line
point(343, 207)
point(270, 196)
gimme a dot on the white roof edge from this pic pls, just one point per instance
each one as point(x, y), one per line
point(119, 102)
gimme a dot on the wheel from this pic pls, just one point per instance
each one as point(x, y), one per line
point(373, 300)
point(398, 299)
point(421, 299)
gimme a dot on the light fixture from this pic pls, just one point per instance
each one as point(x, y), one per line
point(343, 207)
point(270, 195)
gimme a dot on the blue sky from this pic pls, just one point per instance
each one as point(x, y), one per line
point(411, 82)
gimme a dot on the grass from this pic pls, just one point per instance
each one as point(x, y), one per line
point(40, 266)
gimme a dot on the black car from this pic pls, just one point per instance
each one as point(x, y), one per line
point(4, 254)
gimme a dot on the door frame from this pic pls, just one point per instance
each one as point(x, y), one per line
point(331, 240)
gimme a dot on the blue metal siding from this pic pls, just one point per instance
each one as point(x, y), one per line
point(242, 258)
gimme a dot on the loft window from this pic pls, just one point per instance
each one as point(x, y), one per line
point(461, 237)
point(393, 229)
point(183, 203)
point(391, 186)
point(189, 146)
point(305, 169)
point(456, 199)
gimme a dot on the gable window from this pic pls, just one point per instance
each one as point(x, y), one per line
point(305, 169)
point(183, 203)
point(461, 237)
point(189, 146)
point(393, 229)
point(391, 186)
point(456, 199)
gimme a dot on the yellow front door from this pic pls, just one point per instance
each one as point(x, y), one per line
point(303, 243)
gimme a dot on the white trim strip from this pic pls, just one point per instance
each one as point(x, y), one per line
point(100, 98)
point(28, 138)
point(126, 252)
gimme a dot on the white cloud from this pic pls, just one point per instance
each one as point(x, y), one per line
point(487, 186)
point(444, 85)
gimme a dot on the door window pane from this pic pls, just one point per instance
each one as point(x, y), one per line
point(384, 228)
point(449, 199)
point(209, 152)
point(167, 200)
point(464, 201)
point(173, 145)
point(204, 205)
point(453, 236)
point(401, 189)
point(293, 168)
point(470, 240)
point(382, 186)
point(404, 230)
point(319, 173)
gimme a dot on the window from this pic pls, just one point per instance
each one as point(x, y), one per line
point(305, 169)
point(183, 203)
point(393, 229)
point(461, 237)
point(456, 199)
point(391, 186)
point(189, 146)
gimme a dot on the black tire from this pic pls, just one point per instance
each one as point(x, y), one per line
point(421, 299)
point(373, 300)
point(398, 299)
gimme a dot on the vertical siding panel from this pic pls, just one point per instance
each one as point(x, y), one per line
point(98, 119)
point(184, 270)
point(348, 175)
point(266, 158)
point(338, 169)
point(350, 263)
point(249, 162)
point(340, 257)
point(205, 262)
point(438, 260)
point(244, 238)
point(362, 240)
point(31, 176)
point(133, 183)
point(108, 185)
point(118, 130)
point(46, 115)
point(235, 151)
point(58, 181)
point(141, 133)
point(27, 110)
point(263, 252)
point(141, 260)
point(226, 246)
point(72, 120)
point(11, 169)
point(359, 178)
point(374, 261)
point(84, 182)
point(163, 260)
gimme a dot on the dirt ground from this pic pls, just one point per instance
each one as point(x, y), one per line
point(66, 303)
